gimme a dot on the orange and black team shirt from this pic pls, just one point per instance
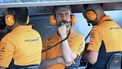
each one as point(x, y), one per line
point(109, 32)
point(76, 43)
point(23, 44)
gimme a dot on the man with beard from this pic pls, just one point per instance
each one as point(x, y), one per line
point(68, 45)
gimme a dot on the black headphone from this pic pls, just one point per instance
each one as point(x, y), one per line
point(10, 19)
point(53, 20)
point(52, 17)
point(91, 15)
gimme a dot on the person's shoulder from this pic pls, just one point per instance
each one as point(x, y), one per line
point(115, 23)
point(76, 35)
point(107, 24)
point(7, 36)
point(33, 30)
point(98, 28)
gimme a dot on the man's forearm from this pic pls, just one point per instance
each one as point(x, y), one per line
point(92, 57)
point(67, 52)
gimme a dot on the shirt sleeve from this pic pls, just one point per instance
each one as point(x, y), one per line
point(95, 40)
point(6, 52)
point(78, 44)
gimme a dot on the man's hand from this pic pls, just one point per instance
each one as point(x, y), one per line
point(61, 60)
point(70, 63)
point(62, 31)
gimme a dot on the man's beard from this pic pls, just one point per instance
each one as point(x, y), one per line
point(64, 22)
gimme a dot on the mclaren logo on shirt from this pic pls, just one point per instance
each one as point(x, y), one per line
point(113, 28)
point(32, 40)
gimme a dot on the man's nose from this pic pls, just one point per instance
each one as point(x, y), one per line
point(63, 17)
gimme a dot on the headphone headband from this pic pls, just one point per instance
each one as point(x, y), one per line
point(13, 14)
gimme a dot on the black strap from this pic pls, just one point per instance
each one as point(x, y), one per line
point(87, 36)
point(57, 43)
point(108, 20)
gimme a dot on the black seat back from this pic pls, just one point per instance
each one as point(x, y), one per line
point(115, 61)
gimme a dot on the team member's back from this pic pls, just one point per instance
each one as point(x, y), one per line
point(22, 44)
point(105, 37)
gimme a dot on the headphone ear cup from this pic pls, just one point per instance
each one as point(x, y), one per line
point(91, 15)
point(73, 19)
point(52, 20)
point(9, 20)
